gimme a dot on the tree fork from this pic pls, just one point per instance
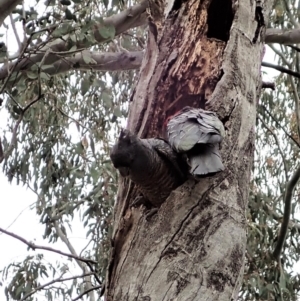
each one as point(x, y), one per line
point(205, 56)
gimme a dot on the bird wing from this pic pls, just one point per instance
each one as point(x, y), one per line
point(165, 151)
point(192, 127)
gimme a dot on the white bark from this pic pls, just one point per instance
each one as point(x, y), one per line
point(285, 37)
point(108, 61)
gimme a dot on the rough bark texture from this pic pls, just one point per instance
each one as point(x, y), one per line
point(207, 55)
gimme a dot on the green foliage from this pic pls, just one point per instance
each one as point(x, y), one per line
point(63, 140)
point(276, 159)
point(26, 276)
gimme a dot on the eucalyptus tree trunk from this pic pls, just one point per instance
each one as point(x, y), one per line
point(205, 54)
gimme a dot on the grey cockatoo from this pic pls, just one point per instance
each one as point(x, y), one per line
point(197, 133)
point(150, 163)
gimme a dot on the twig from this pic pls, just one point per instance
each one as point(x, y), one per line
point(297, 105)
point(286, 214)
point(16, 218)
point(13, 99)
point(73, 119)
point(277, 142)
point(13, 140)
point(94, 273)
point(15, 32)
point(61, 53)
point(279, 218)
point(290, 15)
point(10, 72)
point(281, 69)
point(1, 149)
point(39, 71)
point(23, 110)
point(34, 247)
point(266, 85)
point(139, 40)
point(280, 54)
point(86, 292)
point(65, 239)
point(294, 47)
point(53, 281)
point(33, 102)
point(102, 289)
point(14, 133)
point(278, 123)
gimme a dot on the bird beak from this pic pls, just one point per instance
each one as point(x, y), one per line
point(124, 171)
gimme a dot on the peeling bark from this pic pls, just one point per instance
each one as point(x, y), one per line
point(194, 248)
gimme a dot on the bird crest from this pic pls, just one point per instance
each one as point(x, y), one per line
point(126, 136)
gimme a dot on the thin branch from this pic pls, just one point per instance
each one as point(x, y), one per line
point(297, 105)
point(13, 99)
point(13, 139)
point(280, 54)
point(87, 291)
point(15, 32)
point(16, 218)
point(277, 142)
point(37, 247)
point(73, 119)
point(286, 214)
point(1, 149)
point(278, 217)
point(278, 124)
point(295, 92)
point(294, 47)
point(24, 23)
point(65, 239)
point(13, 66)
point(290, 15)
point(11, 70)
point(129, 18)
point(139, 40)
point(32, 103)
point(39, 71)
point(67, 243)
point(6, 7)
point(15, 130)
point(102, 289)
point(108, 61)
point(268, 85)
point(94, 273)
point(281, 69)
point(59, 279)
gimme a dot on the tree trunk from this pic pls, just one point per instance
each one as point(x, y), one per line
point(206, 55)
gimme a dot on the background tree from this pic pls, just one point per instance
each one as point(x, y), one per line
point(54, 84)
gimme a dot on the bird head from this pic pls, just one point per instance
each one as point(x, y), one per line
point(123, 152)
